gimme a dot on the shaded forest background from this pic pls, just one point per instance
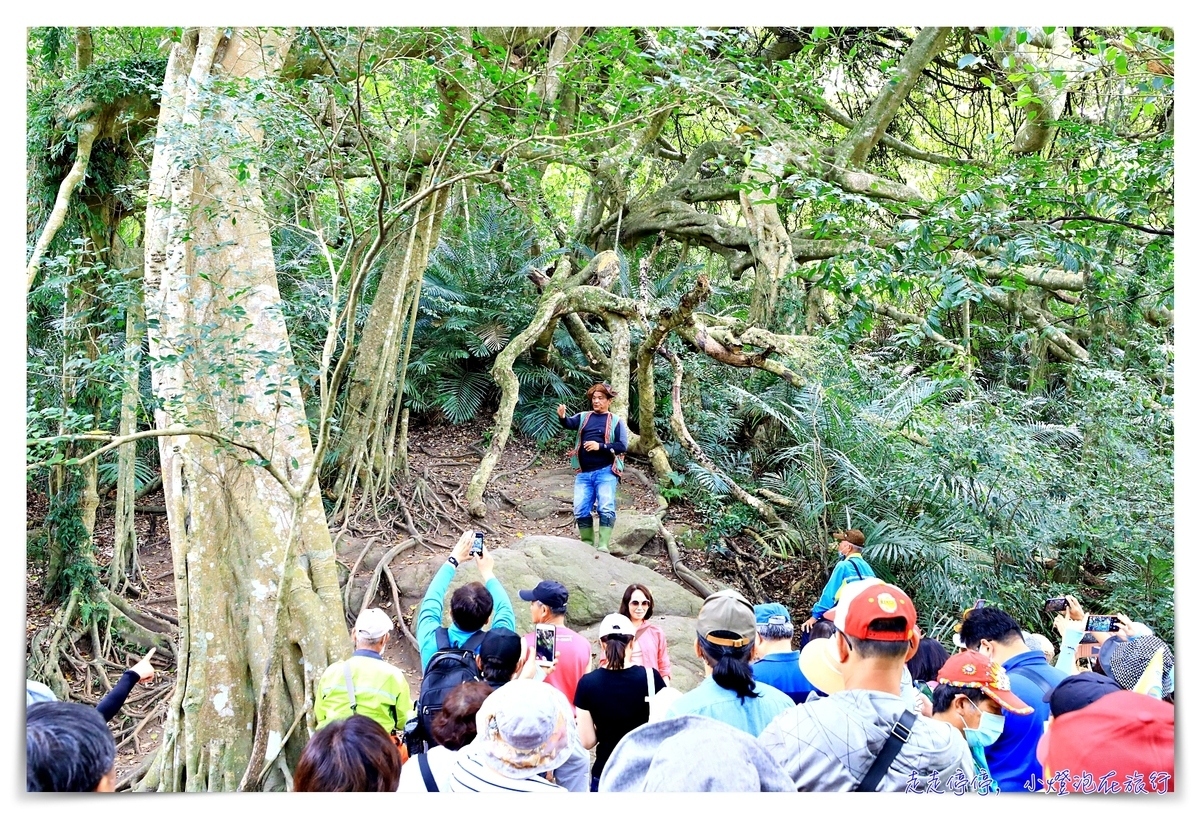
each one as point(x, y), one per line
point(915, 281)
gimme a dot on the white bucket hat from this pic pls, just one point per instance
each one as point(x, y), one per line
point(522, 729)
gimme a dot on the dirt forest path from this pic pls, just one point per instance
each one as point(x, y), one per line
point(528, 495)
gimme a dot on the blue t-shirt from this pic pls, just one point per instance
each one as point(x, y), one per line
point(782, 671)
point(1012, 760)
point(751, 715)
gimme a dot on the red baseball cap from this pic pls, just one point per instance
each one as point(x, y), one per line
point(861, 603)
point(1118, 735)
point(972, 669)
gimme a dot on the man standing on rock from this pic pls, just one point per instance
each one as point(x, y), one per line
point(598, 459)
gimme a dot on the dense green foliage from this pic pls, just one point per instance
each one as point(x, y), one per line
point(944, 410)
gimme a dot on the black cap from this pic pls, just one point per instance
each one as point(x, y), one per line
point(1078, 691)
point(548, 592)
point(503, 645)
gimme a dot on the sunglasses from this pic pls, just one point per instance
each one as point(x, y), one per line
point(639, 603)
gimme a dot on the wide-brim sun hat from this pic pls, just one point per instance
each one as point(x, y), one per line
point(522, 729)
point(818, 663)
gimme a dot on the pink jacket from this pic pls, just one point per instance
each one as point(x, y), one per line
point(653, 644)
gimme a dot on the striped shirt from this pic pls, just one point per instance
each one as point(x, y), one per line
point(470, 775)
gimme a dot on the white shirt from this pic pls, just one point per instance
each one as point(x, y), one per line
point(440, 760)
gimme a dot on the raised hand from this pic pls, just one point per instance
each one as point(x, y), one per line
point(462, 548)
point(144, 669)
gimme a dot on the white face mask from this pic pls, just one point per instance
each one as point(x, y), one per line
point(989, 729)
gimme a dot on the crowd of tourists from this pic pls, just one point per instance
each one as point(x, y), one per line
point(867, 703)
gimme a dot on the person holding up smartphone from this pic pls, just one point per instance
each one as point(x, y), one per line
point(560, 651)
point(472, 605)
point(1072, 623)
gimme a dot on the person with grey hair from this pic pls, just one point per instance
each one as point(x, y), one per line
point(1035, 641)
point(365, 684)
point(774, 661)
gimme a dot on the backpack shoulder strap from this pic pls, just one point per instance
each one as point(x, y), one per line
point(1026, 673)
point(442, 635)
point(901, 730)
point(856, 568)
point(474, 642)
point(350, 687)
point(426, 773)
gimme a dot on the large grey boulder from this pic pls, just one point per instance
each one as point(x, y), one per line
point(595, 581)
point(632, 531)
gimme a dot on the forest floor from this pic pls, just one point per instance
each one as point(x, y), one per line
point(444, 457)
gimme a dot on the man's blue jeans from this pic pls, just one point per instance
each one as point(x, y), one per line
point(596, 488)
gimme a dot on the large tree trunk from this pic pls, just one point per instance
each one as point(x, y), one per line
point(769, 239)
point(254, 563)
point(124, 567)
point(369, 405)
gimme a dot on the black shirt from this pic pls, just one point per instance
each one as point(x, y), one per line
point(110, 705)
point(603, 457)
point(616, 700)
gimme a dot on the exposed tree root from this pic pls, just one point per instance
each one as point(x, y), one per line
point(380, 568)
point(682, 571)
point(135, 776)
point(412, 640)
point(693, 448)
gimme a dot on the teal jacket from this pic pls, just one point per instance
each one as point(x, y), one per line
point(429, 615)
point(850, 569)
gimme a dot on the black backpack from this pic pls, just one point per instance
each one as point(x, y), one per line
point(447, 669)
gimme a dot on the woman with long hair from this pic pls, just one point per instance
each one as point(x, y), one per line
point(650, 643)
point(615, 698)
point(725, 632)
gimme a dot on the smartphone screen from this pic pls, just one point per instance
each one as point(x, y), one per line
point(1058, 603)
point(477, 546)
point(545, 642)
point(1101, 624)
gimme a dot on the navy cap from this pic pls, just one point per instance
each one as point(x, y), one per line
point(769, 613)
point(548, 592)
point(1078, 691)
